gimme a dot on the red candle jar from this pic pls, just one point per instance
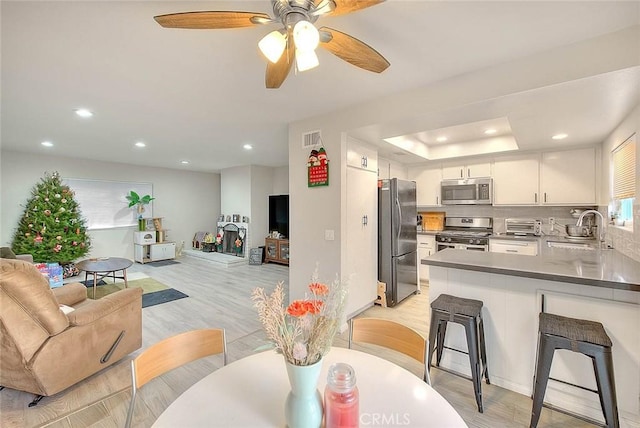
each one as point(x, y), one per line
point(341, 397)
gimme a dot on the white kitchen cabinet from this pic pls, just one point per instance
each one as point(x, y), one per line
point(513, 246)
point(568, 177)
point(384, 169)
point(360, 155)
point(515, 180)
point(361, 211)
point(390, 169)
point(397, 170)
point(426, 247)
point(153, 252)
point(427, 184)
point(467, 170)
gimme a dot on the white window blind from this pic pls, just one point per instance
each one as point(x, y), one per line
point(104, 204)
point(624, 169)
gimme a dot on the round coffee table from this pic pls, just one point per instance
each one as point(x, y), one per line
point(104, 267)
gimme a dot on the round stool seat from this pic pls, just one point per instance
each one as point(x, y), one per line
point(574, 329)
point(457, 305)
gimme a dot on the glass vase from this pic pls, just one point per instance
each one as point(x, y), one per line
point(142, 224)
point(303, 407)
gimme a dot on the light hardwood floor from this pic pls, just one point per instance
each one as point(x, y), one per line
point(220, 297)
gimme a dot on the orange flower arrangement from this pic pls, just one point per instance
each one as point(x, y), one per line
point(302, 331)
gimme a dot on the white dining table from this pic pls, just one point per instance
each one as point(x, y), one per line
point(251, 392)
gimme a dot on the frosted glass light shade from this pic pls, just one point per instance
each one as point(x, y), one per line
point(306, 60)
point(272, 45)
point(305, 36)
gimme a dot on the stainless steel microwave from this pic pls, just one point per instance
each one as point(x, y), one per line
point(471, 191)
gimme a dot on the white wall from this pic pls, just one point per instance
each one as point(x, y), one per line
point(187, 201)
point(316, 209)
point(261, 187)
point(245, 191)
point(235, 191)
point(625, 240)
point(280, 181)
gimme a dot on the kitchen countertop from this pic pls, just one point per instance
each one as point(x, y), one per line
point(600, 268)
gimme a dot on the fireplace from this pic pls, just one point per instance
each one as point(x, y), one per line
point(234, 238)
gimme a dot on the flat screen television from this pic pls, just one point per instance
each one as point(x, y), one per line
point(279, 214)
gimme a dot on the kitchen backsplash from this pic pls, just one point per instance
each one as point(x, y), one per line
point(499, 214)
point(622, 239)
point(625, 240)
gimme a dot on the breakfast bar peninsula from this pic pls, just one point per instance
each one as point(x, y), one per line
point(598, 285)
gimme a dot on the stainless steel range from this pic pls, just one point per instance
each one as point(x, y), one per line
point(465, 233)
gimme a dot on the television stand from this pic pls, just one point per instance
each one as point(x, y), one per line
point(276, 250)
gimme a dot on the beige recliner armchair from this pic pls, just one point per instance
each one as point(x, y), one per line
point(44, 351)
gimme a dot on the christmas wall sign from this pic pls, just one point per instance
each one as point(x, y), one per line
point(318, 168)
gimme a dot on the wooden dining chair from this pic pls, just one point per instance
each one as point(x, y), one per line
point(172, 353)
point(392, 335)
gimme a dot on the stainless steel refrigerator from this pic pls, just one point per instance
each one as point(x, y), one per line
point(397, 238)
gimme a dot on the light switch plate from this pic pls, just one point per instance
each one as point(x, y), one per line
point(329, 235)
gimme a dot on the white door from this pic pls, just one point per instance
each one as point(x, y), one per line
point(361, 238)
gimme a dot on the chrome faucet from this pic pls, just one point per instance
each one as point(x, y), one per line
point(600, 228)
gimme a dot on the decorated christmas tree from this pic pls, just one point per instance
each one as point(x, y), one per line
point(51, 228)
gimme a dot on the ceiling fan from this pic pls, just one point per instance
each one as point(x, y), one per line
point(298, 37)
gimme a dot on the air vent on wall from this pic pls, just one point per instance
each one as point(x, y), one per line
point(311, 139)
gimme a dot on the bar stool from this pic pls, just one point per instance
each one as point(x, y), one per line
point(468, 312)
point(585, 337)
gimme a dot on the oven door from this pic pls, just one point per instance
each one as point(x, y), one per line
point(470, 247)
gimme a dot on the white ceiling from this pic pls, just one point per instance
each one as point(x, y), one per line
point(199, 95)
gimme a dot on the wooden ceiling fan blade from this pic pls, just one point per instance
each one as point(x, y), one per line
point(347, 6)
point(211, 20)
point(278, 72)
point(352, 50)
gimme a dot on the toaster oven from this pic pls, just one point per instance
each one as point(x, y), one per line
point(523, 226)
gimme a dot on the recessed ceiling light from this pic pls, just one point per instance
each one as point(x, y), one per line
point(490, 131)
point(140, 144)
point(441, 139)
point(47, 143)
point(83, 112)
point(184, 162)
point(247, 147)
point(559, 137)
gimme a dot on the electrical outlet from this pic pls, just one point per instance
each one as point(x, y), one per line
point(552, 221)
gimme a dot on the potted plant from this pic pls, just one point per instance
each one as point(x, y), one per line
point(135, 199)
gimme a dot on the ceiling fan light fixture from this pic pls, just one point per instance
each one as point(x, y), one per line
point(305, 36)
point(272, 45)
point(306, 60)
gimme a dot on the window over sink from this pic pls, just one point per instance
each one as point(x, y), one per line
point(623, 166)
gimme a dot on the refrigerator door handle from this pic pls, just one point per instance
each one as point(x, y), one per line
point(399, 218)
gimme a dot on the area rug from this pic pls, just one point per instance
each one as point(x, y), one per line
point(162, 296)
point(162, 263)
point(153, 292)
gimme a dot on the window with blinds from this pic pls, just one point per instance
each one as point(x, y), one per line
point(624, 178)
